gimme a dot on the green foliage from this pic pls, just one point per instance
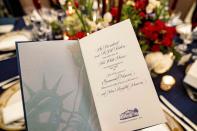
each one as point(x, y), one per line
point(176, 54)
point(162, 11)
point(88, 8)
point(56, 27)
point(128, 12)
point(81, 17)
point(144, 47)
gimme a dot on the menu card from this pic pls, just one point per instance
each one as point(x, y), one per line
point(121, 85)
point(56, 91)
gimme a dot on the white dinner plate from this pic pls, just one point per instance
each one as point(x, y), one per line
point(7, 41)
point(9, 97)
point(6, 28)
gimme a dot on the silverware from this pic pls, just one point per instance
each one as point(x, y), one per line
point(183, 124)
point(10, 81)
point(10, 84)
point(177, 112)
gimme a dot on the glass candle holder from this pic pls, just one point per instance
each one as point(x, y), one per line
point(167, 82)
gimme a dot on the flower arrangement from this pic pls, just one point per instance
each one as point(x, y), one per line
point(82, 18)
point(156, 36)
point(148, 17)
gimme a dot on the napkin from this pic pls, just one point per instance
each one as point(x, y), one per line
point(191, 77)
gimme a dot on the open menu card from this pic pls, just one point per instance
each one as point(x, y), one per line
point(56, 91)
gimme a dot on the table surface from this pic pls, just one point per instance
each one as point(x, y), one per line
point(177, 95)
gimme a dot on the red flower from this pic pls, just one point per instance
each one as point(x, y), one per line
point(155, 48)
point(166, 42)
point(80, 35)
point(142, 14)
point(140, 4)
point(158, 33)
point(170, 30)
point(76, 4)
point(77, 36)
point(114, 11)
point(154, 36)
point(150, 31)
point(72, 38)
point(160, 24)
point(168, 36)
point(147, 23)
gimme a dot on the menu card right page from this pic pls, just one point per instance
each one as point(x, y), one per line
point(121, 85)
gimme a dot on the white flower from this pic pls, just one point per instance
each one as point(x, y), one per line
point(73, 22)
point(149, 8)
point(102, 25)
point(152, 5)
point(159, 62)
point(92, 24)
point(156, 3)
point(164, 64)
point(130, 3)
point(108, 17)
point(62, 2)
point(152, 59)
point(95, 5)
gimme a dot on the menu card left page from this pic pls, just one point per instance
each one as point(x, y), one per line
point(56, 94)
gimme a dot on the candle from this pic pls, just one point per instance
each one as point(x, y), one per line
point(167, 82)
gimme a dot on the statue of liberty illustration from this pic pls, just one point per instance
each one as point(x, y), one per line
point(46, 110)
